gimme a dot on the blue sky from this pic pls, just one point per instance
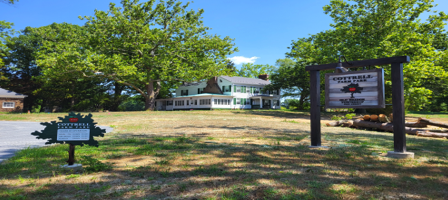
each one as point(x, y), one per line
point(262, 29)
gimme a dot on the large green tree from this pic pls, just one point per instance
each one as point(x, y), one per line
point(370, 29)
point(19, 69)
point(21, 74)
point(293, 79)
point(139, 45)
point(250, 70)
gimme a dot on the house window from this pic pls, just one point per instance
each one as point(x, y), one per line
point(248, 90)
point(222, 101)
point(179, 103)
point(238, 89)
point(184, 93)
point(188, 102)
point(248, 102)
point(169, 103)
point(8, 105)
point(204, 102)
point(238, 101)
point(275, 92)
point(256, 90)
point(195, 102)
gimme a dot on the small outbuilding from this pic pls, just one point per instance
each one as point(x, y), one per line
point(11, 101)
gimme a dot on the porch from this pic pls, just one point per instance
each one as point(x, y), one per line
point(261, 102)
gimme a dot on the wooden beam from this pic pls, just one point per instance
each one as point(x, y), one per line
point(315, 108)
point(398, 107)
point(361, 63)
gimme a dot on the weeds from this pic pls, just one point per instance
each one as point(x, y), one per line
point(94, 165)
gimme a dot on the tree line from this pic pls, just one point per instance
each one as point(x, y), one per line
point(371, 29)
point(136, 52)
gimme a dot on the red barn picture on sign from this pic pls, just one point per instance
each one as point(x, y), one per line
point(357, 89)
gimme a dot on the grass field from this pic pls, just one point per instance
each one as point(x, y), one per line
point(227, 155)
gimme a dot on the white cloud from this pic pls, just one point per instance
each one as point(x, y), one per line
point(241, 59)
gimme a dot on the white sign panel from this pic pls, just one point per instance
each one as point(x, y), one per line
point(73, 134)
point(357, 89)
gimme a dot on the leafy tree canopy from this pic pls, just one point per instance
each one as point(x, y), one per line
point(250, 70)
point(370, 29)
point(139, 45)
point(5, 33)
point(293, 79)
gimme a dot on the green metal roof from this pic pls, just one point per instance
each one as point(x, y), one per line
point(203, 94)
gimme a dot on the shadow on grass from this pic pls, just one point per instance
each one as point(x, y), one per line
point(288, 114)
point(276, 113)
point(195, 167)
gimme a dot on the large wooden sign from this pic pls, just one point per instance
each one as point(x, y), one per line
point(357, 89)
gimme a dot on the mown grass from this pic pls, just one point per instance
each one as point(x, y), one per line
point(228, 155)
point(427, 114)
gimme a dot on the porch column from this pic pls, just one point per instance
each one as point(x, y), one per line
point(261, 103)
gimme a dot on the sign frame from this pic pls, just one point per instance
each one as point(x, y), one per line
point(380, 87)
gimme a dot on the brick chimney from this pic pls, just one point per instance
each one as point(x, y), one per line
point(263, 77)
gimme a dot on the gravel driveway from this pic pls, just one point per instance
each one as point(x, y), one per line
point(17, 135)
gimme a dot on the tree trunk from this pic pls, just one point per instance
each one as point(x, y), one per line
point(335, 123)
point(150, 98)
point(415, 125)
point(118, 89)
point(385, 126)
point(301, 100)
point(432, 123)
point(431, 134)
point(348, 123)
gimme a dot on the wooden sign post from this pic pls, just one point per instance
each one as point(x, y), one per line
point(397, 98)
point(74, 129)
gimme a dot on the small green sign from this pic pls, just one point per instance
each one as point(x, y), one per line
point(75, 129)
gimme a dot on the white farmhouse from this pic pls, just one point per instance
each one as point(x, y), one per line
point(223, 92)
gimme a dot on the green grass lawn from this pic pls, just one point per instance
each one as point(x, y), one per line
point(226, 155)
